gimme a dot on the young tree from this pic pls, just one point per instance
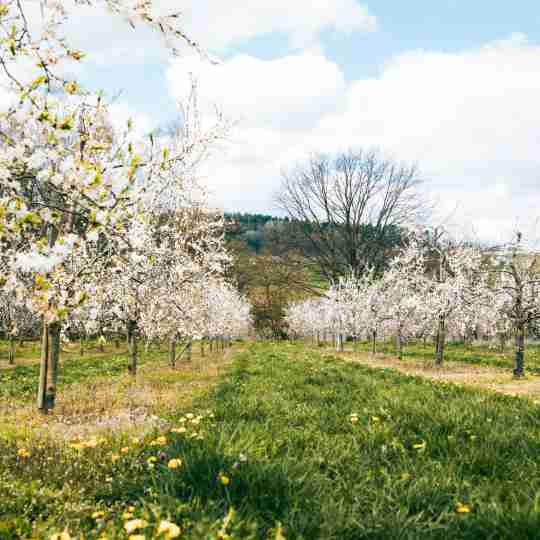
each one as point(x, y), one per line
point(516, 276)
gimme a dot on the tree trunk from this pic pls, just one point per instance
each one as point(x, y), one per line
point(374, 342)
point(116, 343)
point(188, 351)
point(399, 344)
point(172, 353)
point(48, 374)
point(202, 348)
point(54, 361)
point(81, 346)
point(441, 338)
point(132, 347)
point(519, 370)
point(502, 342)
point(339, 342)
point(11, 353)
point(42, 403)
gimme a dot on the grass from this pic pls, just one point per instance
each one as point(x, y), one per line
point(478, 354)
point(276, 442)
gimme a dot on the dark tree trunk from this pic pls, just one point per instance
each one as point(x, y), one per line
point(202, 348)
point(519, 370)
point(399, 344)
point(172, 353)
point(42, 403)
point(132, 347)
point(502, 342)
point(11, 352)
point(374, 342)
point(441, 339)
point(54, 362)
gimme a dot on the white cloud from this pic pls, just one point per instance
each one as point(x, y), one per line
point(213, 24)
point(259, 92)
point(469, 118)
point(219, 24)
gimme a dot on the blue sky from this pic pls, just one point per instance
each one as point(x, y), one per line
point(451, 85)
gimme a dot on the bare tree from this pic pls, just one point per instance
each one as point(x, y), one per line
point(350, 208)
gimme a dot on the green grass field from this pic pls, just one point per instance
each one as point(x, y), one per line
point(273, 451)
point(479, 354)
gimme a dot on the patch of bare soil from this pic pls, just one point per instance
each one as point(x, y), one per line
point(491, 378)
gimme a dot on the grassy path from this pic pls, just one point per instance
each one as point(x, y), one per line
point(493, 378)
point(291, 443)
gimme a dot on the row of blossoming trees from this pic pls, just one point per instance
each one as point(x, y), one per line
point(100, 229)
point(432, 288)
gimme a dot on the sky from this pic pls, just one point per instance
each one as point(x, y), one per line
point(452, 85)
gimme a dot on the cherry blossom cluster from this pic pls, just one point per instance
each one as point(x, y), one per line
point(101, 228)
point(442, 291)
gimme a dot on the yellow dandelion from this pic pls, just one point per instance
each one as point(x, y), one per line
point(61, 536)
point(151, 460)
point(135, 440)
point(462, 508)
point(77, 446)
point(179, 430)
point(225, 480)
point(130, 509)
point(189, 416)
point(174, 463)
point(134, 525)
point(160, 441)
point(127, 515)
point(169, 529)
point(23, 453)
point(124, 450)
point(98, 514)
point(419, 446)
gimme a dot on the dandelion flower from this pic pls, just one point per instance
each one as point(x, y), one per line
point(124, 450)
point(61, 536)
point(179, 430)
point(134, 525)
point(160, 441)
point(462, 508)
point(174, 463)
point(23, 453)
point(225, 480)
point(420, 446)
point(171, 530)
point(127, 515)
point(99, 514)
